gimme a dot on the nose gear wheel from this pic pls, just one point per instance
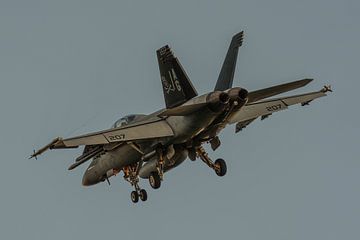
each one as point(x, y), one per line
point(134, 196)
point(143, 195)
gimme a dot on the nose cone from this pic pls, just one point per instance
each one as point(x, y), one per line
point(89, 179)
point(85, 180)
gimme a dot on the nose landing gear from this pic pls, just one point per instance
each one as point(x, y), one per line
point(135, 195)
point(131, 174)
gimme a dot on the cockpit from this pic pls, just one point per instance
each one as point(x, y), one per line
point(127, 120)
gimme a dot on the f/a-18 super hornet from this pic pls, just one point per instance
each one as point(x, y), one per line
point(147, 146)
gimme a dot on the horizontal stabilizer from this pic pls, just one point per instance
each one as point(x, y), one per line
point(275, 90)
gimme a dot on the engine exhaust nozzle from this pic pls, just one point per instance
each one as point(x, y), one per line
point(238, 94)
point(218, 101)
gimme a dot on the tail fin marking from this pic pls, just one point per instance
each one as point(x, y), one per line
point(177, 86)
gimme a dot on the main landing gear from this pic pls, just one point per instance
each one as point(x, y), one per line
point(219, 165)
point(155, 180)
point(132, 176)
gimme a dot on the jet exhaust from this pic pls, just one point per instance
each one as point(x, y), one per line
point(238, 94)
point(217, 101)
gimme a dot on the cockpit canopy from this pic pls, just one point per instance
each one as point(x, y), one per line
point(127, 120)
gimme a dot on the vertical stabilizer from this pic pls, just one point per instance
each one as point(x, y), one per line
point(227, 72)
point(176, 84)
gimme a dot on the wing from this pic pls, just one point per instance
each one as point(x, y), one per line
point(138, 131)
point(263, 109)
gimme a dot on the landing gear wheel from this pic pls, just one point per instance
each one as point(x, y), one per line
point(220, 167)
point(134, 196)
point(192, 154)
point(143, 195)
point(154, 180)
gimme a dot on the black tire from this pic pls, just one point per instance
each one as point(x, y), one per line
point(143, 195)
point(192, 154)
point(154, 180)
point(134, 196)
point(220, 167)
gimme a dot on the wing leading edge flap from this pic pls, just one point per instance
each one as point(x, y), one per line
point(254, 110)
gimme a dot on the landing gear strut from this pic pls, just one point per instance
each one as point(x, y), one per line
point(160, 165)
point(131, 174)
point(157, 176)
point(219, 165)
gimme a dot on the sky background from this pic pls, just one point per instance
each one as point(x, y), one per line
point(73, 66)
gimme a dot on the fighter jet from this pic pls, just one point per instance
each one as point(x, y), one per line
point(148, 146)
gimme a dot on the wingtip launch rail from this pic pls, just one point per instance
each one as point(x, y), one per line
point(51, 145)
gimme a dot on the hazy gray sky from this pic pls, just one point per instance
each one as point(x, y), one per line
point(72, 66)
